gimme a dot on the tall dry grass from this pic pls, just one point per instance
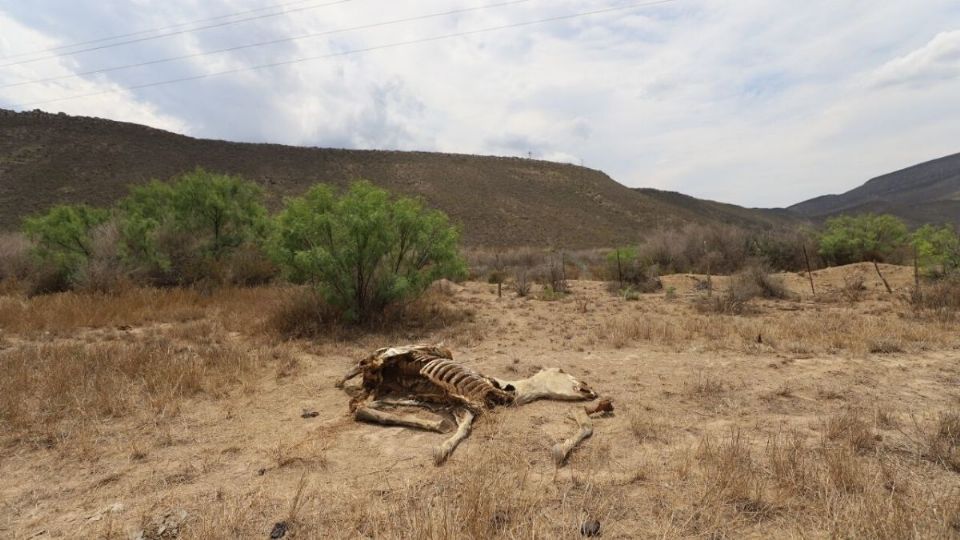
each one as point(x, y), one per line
point(792, 485)
point(61, 313)
point(51, 392)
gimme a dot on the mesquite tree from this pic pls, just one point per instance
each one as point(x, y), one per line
point(364, 250)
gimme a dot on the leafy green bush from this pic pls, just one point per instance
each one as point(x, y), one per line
point(938, 248)
point(364, 250)
point(63, 242)
point(866, 237)
point(180, 232)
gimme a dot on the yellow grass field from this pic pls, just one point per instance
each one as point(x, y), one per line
point(173, 413)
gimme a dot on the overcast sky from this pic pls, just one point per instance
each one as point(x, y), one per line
point(754, 102)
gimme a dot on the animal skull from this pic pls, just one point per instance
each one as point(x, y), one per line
point(549, 383)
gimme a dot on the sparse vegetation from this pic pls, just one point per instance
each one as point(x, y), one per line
point(521, 282)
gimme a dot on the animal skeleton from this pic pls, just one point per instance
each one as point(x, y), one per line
point(427, 377)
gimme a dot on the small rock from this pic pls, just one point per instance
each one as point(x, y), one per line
point(309, 414)
point(279, 530)
point(591, 527)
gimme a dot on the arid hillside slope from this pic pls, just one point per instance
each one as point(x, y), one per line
point(47, 158)
point(924, 193)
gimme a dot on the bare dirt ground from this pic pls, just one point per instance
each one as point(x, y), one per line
point(832, 416)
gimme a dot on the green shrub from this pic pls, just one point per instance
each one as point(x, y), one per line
point(937, 248)
point(182, 231)
point(867, 237)
point(63, 242)
point(362, 249)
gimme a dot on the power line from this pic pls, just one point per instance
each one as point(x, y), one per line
point(264, 43)
point(175, 33)
point(351, 52)
point(160, 29)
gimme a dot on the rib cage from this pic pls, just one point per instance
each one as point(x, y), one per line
point(429, 374)
point(465, 384)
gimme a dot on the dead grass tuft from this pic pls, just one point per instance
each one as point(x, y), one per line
point(302, 315)
point(849, 427)
point(646, 429)
point(943, 442)
point(853, 287)
point(940, 298)
point(705, 385)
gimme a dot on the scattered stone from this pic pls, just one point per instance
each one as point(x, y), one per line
point(261, 471)
point(279, 530)
point(309, 414)
point(591, 527)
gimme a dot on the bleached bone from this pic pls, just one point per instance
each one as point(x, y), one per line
point(368, 414)
point(442, 452)
point(563, 449)
point(350, 374)
point(427, 376)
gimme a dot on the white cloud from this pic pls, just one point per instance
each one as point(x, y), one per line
point(938, 60)
point(753, 102)
point(118, 106)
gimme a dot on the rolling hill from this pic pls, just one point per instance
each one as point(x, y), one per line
point(925, 193)
point(50, 158)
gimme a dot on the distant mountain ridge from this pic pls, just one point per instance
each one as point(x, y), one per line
point(924, 193)
point(500, 202)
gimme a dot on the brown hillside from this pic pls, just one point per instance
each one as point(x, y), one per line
point(47, 158)
point(925, 193)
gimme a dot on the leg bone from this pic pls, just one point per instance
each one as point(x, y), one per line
point(563, 449)
point(368, 414)
point(442, 452)
point(351, 374)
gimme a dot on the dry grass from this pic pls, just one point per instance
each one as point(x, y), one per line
point(943, 442)
point(777, 424)
point(69, 311)
point(853, 288)
point(798, 488)
point(645, 428)
point(941, 298)
point(52, 392)
point(805, 332)
point(15, 263)
point(487, 497)
point(753, 281)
